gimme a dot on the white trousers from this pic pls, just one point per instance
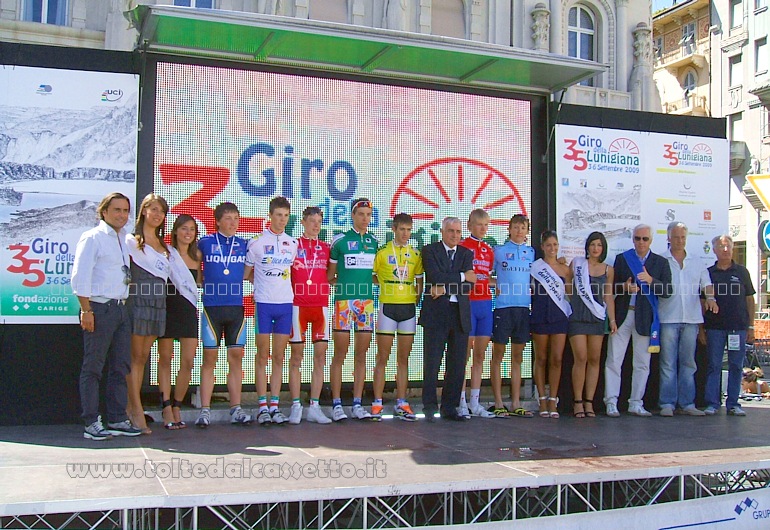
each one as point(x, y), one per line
point(616, 352)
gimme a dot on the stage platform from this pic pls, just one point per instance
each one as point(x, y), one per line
point(366, 474)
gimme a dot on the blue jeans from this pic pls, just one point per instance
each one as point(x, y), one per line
point(677, 365)
point(717, 340)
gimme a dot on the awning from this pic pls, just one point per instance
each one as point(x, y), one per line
point(761, 186)
point(344, 48)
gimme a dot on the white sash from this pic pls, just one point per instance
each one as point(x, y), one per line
point(552, 283)
point(149, 259)
point(583, 285)
point(182, 278)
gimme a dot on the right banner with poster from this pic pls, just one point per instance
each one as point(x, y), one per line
point(610, 180)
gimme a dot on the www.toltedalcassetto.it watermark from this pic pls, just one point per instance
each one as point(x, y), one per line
point(231, 469)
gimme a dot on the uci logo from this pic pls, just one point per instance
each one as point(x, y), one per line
point(112, 94)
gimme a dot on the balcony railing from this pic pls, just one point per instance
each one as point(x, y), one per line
point(688, 53)
point(690, 106)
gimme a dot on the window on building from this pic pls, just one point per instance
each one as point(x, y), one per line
point(736, 13)
point(690, 82)
point(761, 59)
point(759, 4)
point(582, 36)
point(448, 18)
point(736, 127)
point(204, 4)
point(688, 38)
point(736, 71)
point(659, 47)
point(764, 120)
point(45, 11)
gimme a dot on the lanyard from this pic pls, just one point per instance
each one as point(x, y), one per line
point(401, 276)
point(226, 265)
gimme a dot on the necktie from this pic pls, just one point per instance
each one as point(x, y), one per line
point(451, 254)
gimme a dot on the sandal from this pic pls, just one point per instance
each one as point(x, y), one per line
point(554, 414)
point(521, 412)
point(176, 407)
point(543, 406)
point(580, 414)
point(170, 425)
point(589, 413)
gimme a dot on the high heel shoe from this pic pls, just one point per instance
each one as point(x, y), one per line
point(543, 406)
point(554, 414)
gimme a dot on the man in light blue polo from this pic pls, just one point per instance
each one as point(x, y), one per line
point(680, 318)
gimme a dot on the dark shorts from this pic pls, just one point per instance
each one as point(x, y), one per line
point(393, 318)
point(227, 319)
point(511, 323)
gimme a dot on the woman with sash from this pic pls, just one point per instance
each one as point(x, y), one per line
point(592, 306)
point(549, 321)
point(181, 319)
point(147, 295)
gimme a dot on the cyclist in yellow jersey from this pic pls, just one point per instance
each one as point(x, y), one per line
point(398, 270)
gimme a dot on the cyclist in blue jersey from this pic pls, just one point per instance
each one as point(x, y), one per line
point(224, 258)
point(513, 260)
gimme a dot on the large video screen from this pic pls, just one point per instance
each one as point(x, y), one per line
point(245, 136)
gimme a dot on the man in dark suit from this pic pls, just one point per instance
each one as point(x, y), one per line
point(446, 317)
point(636, 318)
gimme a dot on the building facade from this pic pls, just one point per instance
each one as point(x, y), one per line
point(711, 59)
point(612, 32)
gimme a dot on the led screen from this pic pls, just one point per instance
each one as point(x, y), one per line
point(245, 136)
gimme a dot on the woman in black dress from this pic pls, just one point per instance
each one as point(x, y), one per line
point(181, 321)
point(593, 306)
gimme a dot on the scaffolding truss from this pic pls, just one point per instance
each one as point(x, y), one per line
point(413, 510)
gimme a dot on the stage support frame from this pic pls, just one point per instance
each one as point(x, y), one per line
point(429, 508)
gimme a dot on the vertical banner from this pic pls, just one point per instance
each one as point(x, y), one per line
point(611, 180)
point(67, 139)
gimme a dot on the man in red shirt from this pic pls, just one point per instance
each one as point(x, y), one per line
point(481, 310)
point(311, 306)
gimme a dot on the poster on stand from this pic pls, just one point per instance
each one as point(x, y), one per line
point(67, 139)
point(611, 180)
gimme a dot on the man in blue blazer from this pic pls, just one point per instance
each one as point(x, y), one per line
point(446, 318)
point(641, 277)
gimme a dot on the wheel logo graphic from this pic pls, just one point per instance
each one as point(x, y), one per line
point(703, 149)
point(623, 145)
point(455, 186)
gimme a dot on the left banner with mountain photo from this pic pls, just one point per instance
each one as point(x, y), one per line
point(67, 139)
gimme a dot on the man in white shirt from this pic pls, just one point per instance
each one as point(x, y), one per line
point(680, 317)
point(270, 256)
point(100, 279)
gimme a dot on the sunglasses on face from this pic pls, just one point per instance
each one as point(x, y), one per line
point(641, 238)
